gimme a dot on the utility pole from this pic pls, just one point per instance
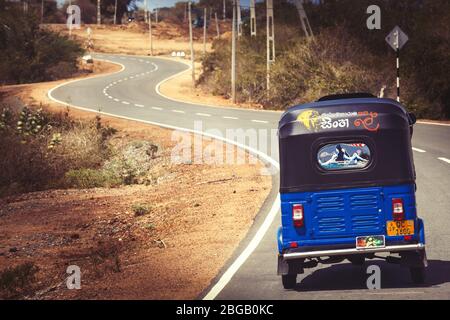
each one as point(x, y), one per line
point(233, 53)
point(192, 44)
point(224, 9)
point(204, 32)
point(71, 21)
point(150, 31)
point(239, 18)
point(115, 12)
point(42, 11)
point(252, 18)
point(304, 18)
point(217, 25)
point(145, 11)
point(270, 40)
point(99, 14)
point(156, 15)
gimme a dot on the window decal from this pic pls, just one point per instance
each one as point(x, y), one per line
point(342, 156)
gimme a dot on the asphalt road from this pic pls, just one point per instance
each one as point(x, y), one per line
point(251, 274)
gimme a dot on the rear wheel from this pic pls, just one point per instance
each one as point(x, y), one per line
point(417, 274)
point(289, 281)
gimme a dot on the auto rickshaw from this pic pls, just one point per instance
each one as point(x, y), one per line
point(347, 186)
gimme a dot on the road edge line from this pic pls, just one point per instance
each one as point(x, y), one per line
point(268, 220)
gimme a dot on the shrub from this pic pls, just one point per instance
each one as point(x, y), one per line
point(91, 178)
point(14, 280)
point(38, 148)
point(304, 70)
point(31, 53)
point(140, 209)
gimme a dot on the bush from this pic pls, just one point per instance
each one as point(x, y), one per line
point(14, 280)
point(30, 53)
point(38, 148)
point(140, 209)
point(304, 70)
point(91, 178)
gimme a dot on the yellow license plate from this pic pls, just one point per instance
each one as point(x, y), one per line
point(400, 228)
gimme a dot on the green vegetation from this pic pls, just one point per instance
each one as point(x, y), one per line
point(17, 280)
point(41, 150)
point(343, 57)
point(32, 54)
point(140, 209)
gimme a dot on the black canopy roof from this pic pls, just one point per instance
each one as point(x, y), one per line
point(382, 124)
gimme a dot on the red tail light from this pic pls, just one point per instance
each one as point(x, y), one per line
point(297, 215)
point(398, 211)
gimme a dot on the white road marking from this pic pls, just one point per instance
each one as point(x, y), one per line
point(203, 114)
point(143, 74)
point(444, 159)
point(260, 121)
point(116, 99)
point(139, 105)
point(131, 77)
point(229, 273)
point(125, 102)
point(434, 123)
point(125, 79)
point(157, 108)
point(418, 150)
point(119, 80)
point(178, 111)
point(110, 97)
point(232, 118)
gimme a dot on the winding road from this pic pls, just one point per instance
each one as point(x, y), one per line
point(133, 93)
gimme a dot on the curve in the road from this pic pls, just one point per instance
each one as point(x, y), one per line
point(244, 277)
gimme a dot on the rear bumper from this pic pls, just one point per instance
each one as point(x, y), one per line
point(352, 251)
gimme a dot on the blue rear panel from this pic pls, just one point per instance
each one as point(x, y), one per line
point(338, 216)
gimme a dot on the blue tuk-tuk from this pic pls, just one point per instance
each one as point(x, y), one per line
point(347, 186)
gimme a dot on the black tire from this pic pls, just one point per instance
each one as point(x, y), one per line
point(289, 281)
point(357, 260)
point(417, 275)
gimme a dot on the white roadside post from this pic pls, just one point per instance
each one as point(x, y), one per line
point(397, 39)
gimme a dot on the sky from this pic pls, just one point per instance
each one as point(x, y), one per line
point(169, 3)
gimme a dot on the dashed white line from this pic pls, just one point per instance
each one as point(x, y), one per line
point(260, 121)
point(139, 105)
point(178, 111)
point(157, 108)
point(115, 99)
point(418, 150)
point(125, 102)
point(203, 114)
point(444, 159)
point(232, 118)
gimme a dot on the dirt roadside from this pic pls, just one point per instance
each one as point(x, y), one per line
point(198, 215)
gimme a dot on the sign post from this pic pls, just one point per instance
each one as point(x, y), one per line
point(397, 39)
